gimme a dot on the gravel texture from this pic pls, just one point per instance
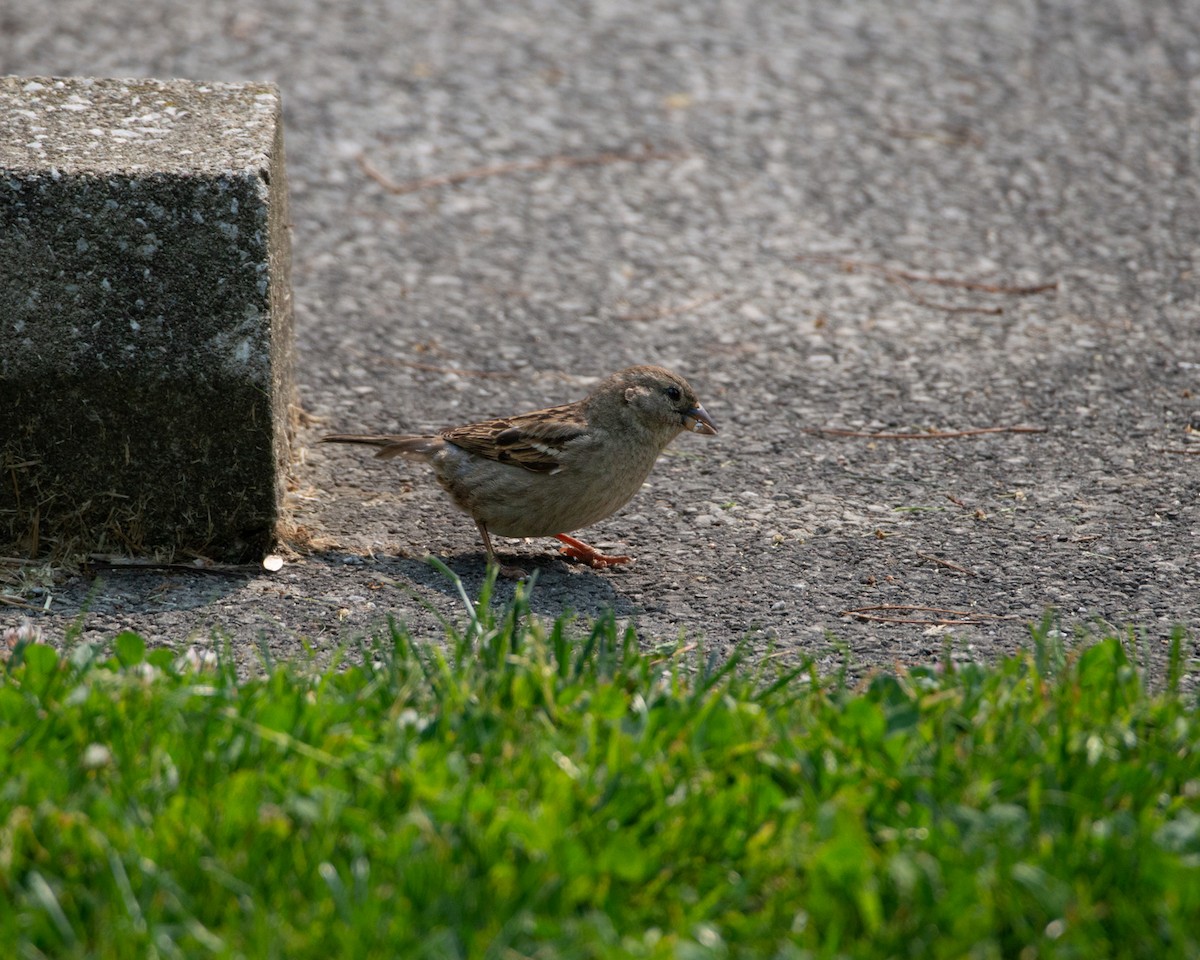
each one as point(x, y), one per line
point(772, 185)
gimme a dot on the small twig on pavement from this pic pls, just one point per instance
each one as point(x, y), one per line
point(456, 371)
point(906, 279)
point(947, 564)
point(14, 602)
point(931, 435)
point(137, 566)
point(1015, 290)
point(674, 653)
point(513, 166)
point(962, 617)
point(850, 265)
point(947, 307)
point(658, 313)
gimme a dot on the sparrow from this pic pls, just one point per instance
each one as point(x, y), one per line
point(550, 472)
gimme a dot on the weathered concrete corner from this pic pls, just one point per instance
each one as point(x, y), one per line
point(145, 316)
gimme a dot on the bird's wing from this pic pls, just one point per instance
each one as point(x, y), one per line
point(534, 440)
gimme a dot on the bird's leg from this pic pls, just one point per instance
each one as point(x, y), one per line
point(579, 550)
point(510, 573)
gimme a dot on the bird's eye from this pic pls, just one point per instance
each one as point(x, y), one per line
point(674, 393)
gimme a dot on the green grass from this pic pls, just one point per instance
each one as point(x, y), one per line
point(533, 789)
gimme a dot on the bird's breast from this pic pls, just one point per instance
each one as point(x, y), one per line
point(514, 502)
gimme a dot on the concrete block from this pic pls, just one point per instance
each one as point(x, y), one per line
point(145, 317)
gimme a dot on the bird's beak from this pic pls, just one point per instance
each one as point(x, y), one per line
point(698, 421)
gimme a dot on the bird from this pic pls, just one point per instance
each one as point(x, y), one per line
point(551, 472)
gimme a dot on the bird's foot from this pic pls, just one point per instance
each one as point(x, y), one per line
point(578, 550)
point(506, 571)
point(511, 573)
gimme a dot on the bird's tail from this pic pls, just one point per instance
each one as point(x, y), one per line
point(390, 445)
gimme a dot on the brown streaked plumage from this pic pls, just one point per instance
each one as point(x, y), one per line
point(552, 471)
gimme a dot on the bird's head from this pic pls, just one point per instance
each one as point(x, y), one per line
point(662, 401)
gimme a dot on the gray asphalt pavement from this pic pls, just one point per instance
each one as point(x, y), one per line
point(868, 216)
